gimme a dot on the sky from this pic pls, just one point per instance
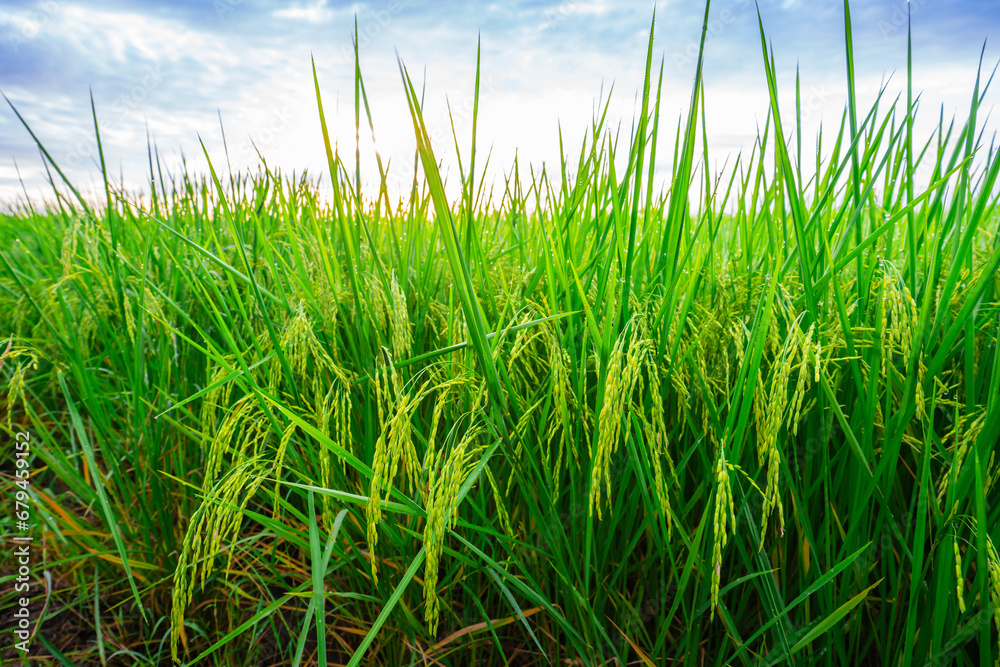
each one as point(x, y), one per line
point(173, 69)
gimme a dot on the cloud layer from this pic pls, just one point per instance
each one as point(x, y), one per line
point(175, 68)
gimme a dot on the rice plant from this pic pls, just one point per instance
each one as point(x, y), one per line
point(748, 418)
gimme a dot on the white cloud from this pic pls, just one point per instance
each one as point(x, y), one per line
point(314, 13)
point(591, 8)
point(531, 81)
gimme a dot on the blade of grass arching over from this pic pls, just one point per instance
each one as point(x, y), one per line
point(460, 270)
point(354, 498)
point(325, 440)
point(55, 652)
point(48, 157)
point(109, 517)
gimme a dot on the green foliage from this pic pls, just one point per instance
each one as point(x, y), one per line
point(783, 406)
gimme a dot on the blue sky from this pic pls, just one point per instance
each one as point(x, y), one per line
point(176, 66)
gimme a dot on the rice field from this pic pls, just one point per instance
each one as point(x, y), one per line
point(578, 418)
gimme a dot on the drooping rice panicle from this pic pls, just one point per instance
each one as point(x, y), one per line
point(959, 576)
point(623, 372)
point(723, 516)
point(441, 514)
